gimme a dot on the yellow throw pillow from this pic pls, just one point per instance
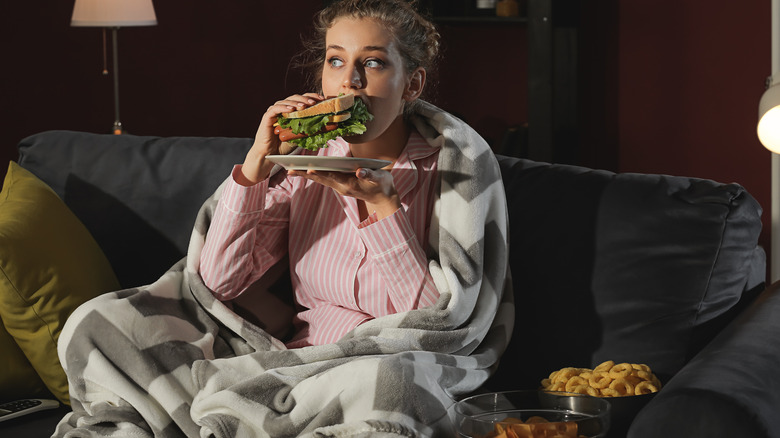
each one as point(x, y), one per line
point(18, 378)
point(49, 265)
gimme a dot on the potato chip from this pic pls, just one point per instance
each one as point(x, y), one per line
point(534, 427)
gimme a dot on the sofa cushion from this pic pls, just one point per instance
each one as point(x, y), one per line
point(18, 378)
point(624, 267)
point(673, 257)
point(141, 212)
point(49, 265)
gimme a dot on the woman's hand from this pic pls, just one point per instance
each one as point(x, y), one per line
point(256, 168)
point(374, 187)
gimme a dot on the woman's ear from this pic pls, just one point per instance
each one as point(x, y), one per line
point(416, 84)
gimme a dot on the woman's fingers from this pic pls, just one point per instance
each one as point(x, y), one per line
point(374, 187)
point(266, 141)
point(295, 102)
point(368, 185)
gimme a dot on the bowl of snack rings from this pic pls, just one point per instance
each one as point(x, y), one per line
point(532, 414)
point(628, 387)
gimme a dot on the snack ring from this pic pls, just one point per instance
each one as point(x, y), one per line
point(565, 374)
point(609, 392)
point(604, 366)
point(645, 388)
point(622, 386)
point(606, 380)
point(620, 370)
point(575, 382)
point(600, 380)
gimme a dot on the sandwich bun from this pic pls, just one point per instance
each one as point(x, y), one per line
point(333, 105)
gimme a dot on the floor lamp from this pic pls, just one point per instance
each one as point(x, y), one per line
point(113, 14)
point(769, 134)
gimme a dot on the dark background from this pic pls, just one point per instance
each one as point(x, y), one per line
point(665, 86)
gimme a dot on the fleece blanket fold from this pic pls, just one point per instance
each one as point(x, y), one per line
point(169, 360)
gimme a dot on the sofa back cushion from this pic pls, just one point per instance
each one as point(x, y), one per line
point(138, 196)
point(625, 267)
point(49, 265)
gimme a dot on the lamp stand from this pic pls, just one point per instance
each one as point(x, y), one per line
point(774, 258)
point(113, 15)
point(117, 128)
point(774, 271)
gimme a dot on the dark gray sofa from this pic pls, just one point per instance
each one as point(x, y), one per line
point(651, 269)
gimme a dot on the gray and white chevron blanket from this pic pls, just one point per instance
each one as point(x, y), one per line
point(169, 360)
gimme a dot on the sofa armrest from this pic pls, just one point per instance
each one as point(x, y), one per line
point(731, 388)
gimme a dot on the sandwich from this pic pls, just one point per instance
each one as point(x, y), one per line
point(311, 128)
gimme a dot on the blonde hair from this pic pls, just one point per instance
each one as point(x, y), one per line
point(417, 38)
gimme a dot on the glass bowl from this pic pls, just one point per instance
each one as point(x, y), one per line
point(477, 416)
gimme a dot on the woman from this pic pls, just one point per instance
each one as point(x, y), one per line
point(401, 274)
point(383, 61)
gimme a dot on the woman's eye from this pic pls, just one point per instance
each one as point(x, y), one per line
point(374, 63)
point(335, 62)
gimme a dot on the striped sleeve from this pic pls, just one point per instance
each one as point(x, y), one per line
point(232, 258)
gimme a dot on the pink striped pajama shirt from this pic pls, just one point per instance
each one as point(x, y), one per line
point(344, 271)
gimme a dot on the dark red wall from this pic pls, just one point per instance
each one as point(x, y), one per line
point(691, 75)
point(667, 86)
point(483, 77)
point(206, 69)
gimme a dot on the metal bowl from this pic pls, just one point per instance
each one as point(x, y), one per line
point(477, 416)
point(623, 410)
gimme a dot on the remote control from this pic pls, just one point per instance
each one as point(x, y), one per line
point(18, 408)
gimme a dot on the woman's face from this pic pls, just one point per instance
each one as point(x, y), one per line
point(363, 59)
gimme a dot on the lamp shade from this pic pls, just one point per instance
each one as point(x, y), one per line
point(769, 119)
point(113, 13)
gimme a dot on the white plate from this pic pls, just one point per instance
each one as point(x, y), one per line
point(330, 164)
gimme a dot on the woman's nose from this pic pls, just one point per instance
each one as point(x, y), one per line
point(352, 79)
